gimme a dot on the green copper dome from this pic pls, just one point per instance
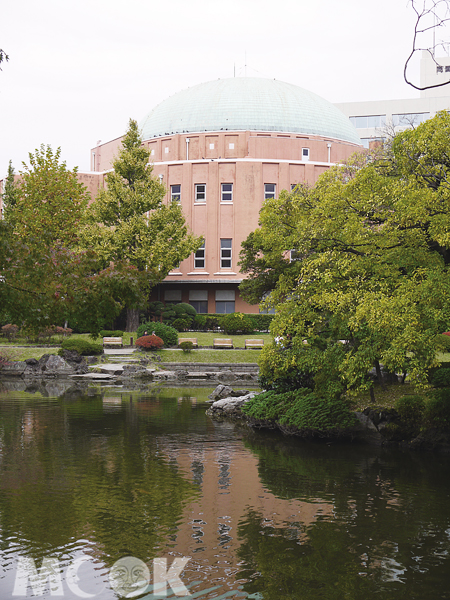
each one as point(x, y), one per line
point(247, 104)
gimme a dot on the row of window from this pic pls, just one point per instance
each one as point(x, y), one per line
point(225, 255)
point(226, 192)
point(224, 300)
point(401, 119)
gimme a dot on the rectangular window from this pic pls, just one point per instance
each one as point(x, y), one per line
point(175, 193)
point(225, 254)
point(365, 121)
point(199, 258)
point(305, 153)
point(224, 307)
point(409, 119)
point(269, 190)
point(201, 306)
point(226, 192)
point(200, 192)
point(225, 301)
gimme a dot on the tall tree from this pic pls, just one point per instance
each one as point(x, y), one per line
point(45, 278)
point(371, 266)
point(10, 192)
point(128, 221)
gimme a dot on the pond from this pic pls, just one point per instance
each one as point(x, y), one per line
point(110, 492)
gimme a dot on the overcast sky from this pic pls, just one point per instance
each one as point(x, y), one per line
point(78, 70)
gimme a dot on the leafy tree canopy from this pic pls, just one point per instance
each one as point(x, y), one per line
point(368, 280)
point(129, 222)
point(45, 279)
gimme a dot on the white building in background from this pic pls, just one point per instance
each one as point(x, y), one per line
point(373, 117)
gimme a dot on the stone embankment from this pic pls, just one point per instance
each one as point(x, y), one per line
point(72, 365)
point(379, 427)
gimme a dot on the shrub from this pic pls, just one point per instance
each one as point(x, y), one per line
point(181, 324)
point(261, 322)
point(168, 334)
point(236, 323)
point(186, 346)
point(63, 332)
point(83, 347)
point(437, 409)
point(110, 333)
point(150, 342)
point(10, 331)
point(199, 322)
point(444, 341)
point(410, 408)
point(441, 377)
point(47, 333)
point(303, 409)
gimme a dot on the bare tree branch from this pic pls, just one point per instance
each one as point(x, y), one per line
point(439, 12)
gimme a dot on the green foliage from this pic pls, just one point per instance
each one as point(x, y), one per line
point(10, 193)
point(443, 342)
point(10, 331)
point(370, 281)
point(110, 333)
point(302, 409)
point(186, 346)
point(150, 342)
point(128, 221)
point(168, 334)
point(83, 347)
point(46, 279)
point(181, 324)
point(410, 408)
point(199, 323)
point(437, 409)
point(441, 378)
point(236, 323)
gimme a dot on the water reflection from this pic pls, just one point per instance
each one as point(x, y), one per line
point(114, 472)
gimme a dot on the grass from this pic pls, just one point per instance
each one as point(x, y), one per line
point(209, 356)
point(13, 354)
point(384, 398)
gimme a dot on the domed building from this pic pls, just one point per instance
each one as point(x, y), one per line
point(221, 148)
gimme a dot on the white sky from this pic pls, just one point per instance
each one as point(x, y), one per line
point(78, 70)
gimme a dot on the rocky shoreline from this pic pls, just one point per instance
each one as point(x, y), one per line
point(378, 427)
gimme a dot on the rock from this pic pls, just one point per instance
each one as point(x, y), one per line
point(221, 391)
point(229, 407)
point(16, 369)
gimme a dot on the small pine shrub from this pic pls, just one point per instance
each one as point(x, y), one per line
point(83, 347)
point(410, 408)
point(186, 346)
point(168, 334)
point(150, 342)
point(199, 323)
point(441, 377)
point(437, 409)
point(236, 323)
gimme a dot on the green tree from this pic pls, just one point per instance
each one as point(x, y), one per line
point(369, 282)
point(128, 221)
point(10, 192)
point(45, 279)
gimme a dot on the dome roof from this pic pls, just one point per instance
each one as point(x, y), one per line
point(247, 104)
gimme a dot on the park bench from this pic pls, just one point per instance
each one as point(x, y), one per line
point(113, 341)
point(193, 340)
point(258, 344)
point(222, 343)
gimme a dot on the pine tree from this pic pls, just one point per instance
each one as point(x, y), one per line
point(129, 222)
point(10, 194)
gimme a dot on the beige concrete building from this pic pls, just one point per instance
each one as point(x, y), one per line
point(221, 148)
point(374, 118)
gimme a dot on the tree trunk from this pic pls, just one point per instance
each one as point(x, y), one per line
point(372, 395)
point(379, 375)
point(132, 320)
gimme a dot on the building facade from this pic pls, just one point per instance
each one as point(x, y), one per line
point(374, 119)
point(221, 148)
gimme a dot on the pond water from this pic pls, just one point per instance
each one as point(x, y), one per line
point(89, 479)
